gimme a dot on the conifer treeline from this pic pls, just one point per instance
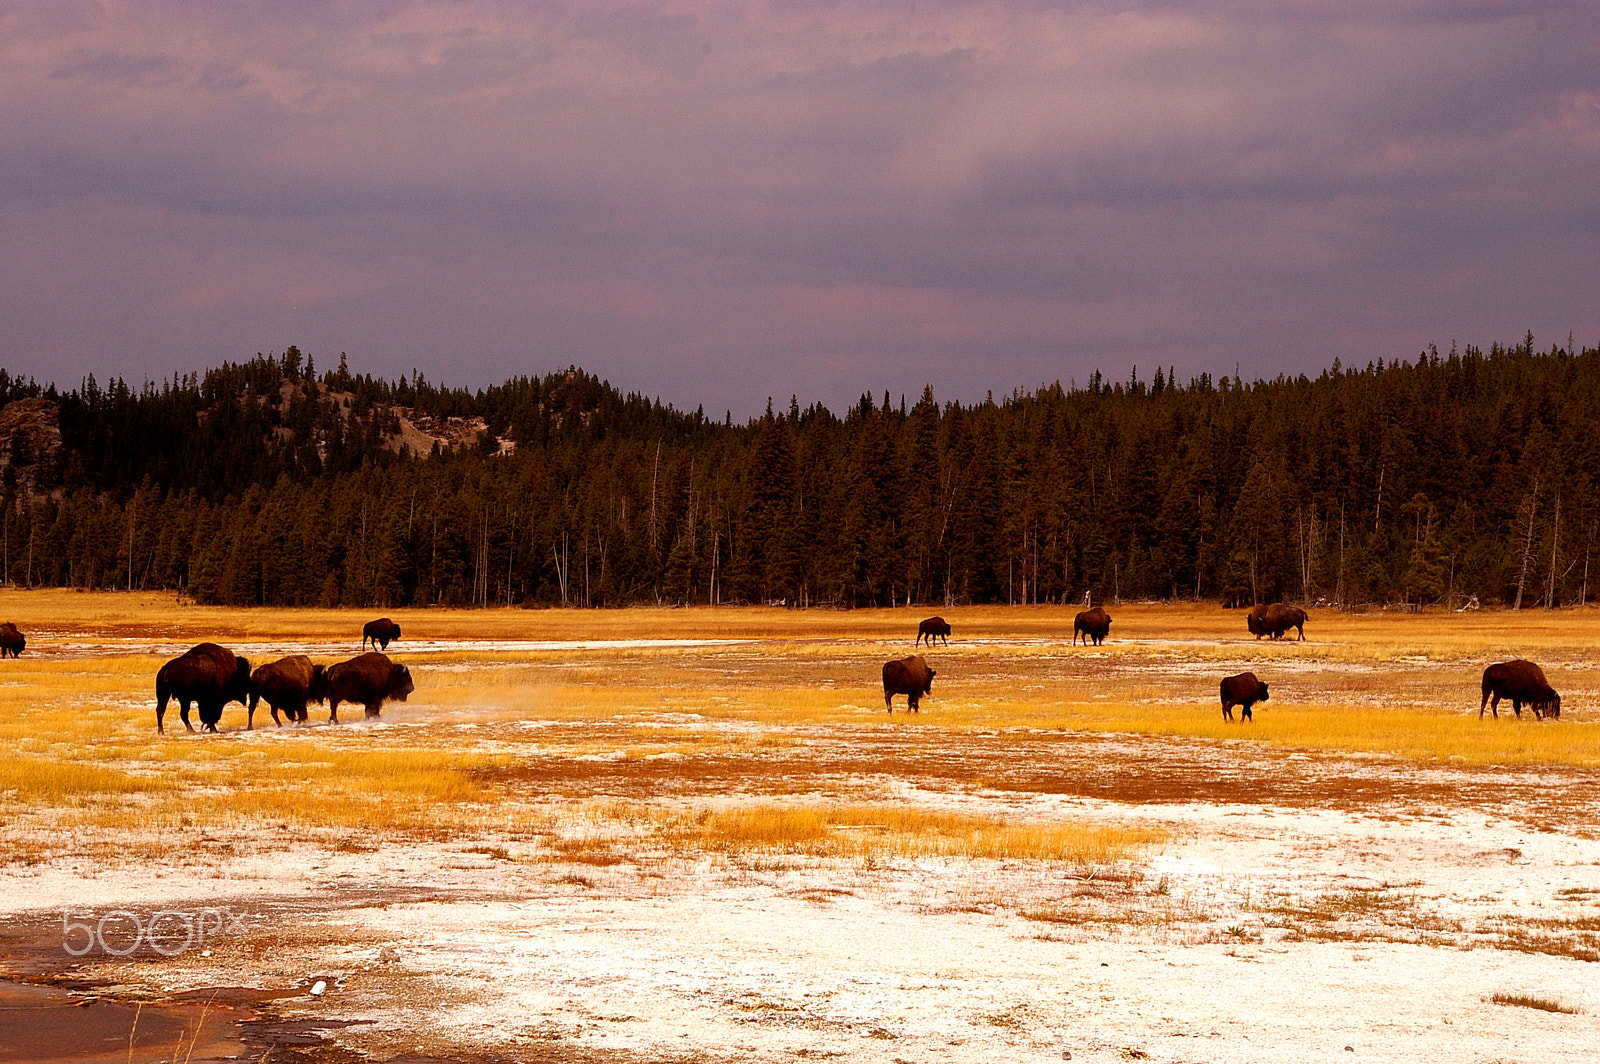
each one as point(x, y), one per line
point(1428, 481)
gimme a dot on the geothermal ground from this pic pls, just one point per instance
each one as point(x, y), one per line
point(695, 835)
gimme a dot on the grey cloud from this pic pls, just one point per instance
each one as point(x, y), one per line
point(818, 192)
point(117, 67)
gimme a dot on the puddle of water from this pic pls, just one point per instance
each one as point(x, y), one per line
point(46, 1025)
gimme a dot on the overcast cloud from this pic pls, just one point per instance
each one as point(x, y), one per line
point(718, 202)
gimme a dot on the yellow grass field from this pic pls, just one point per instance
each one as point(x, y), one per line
point(708, 812)
point(638, 691)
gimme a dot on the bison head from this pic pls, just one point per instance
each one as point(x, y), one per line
point(318, 689)
point(239, 686)
point(400, 683)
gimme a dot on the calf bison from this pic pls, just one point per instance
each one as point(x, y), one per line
point(908, 676)
point(286, 684)
point(1244, 691)
point(1276, 619)
point(381, 632)
point(11, 640)
point(1521, 681)
point(934, 628)
point(368, 679)
point(208, 675)
point(1091, 624)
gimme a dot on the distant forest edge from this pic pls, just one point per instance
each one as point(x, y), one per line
point(1425, 482)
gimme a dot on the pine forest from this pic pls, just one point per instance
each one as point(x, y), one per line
point(1445, 480)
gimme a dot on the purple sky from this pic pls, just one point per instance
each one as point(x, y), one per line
point(718, 202)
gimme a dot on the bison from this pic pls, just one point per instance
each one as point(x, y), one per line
point(368, 679)
point(1276, 619)
point(1244, 691)
point(1091, 624)
point(1521, 681)
point(11, 640)
point(286, 684)
point(908, 676)
point(934, 628)
point(208, 675)
point(381, 632)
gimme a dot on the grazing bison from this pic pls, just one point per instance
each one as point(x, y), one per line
point(1276, 619)
point(368, 679)
point(381, 632)
point(1244, 691)
point(208, 675)
point(1521, 681)
point(286, 684)
point(908, 676)
point(934, 628)
point(11, 640)
point(1091, 624)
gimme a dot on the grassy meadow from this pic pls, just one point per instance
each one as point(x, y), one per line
point(587, 735)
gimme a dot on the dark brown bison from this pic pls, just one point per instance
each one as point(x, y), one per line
point(381, 632)
point(208, 675)
point(908, 676)
point(1091, 624)
point(11, 640)
point(1521, 681)
point(286, 684)
point(1274, 620)
point(934, 628)
point(368, 679)
point(1244, 691)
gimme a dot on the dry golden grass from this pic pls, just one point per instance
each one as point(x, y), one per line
point(799, 688)
point(1532, 1001)
point(852, 830)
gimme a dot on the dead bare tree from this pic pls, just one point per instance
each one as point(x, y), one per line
point(1308, 543)
point(1550, 579)
point(1525, 554)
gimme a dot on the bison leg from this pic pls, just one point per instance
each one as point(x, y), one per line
point(333, 714)
point(1227, 711)
point(1244, 712)
point(161, 711)
point(1516, 707)
point(375, 709)
point(183, 712)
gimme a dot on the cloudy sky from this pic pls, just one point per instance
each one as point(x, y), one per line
point(717, 202)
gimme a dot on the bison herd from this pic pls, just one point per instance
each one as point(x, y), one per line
point(209, 677)
point(1519, 681)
